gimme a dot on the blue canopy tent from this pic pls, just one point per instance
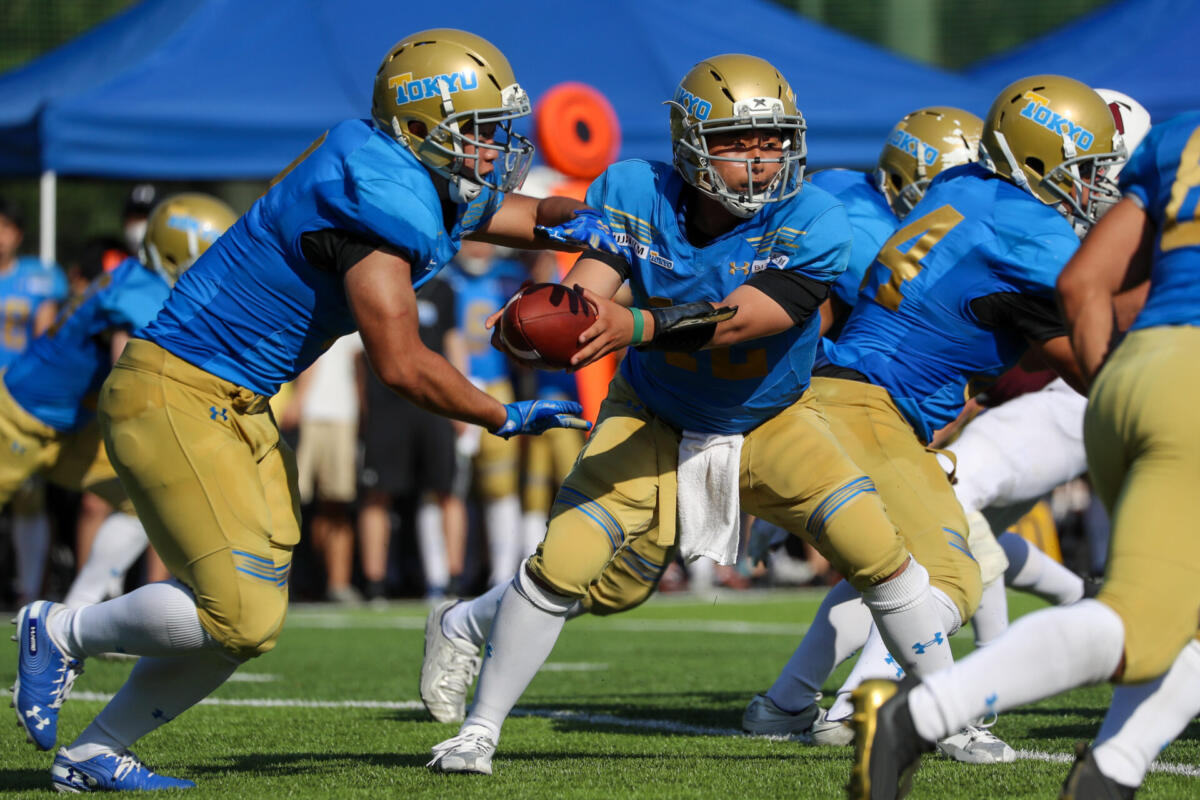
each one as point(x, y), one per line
point(227, 89)
point(1144, 48)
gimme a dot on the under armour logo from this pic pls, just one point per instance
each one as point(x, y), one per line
point(214, 413)
point(899, 669)
point(920, 647)
point(991, 699)
point(32, 713)
point(18, 449)
point(487, 650)
point(759, 102)
point(159, 714)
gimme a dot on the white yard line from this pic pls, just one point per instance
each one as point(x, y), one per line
point(666, 725)
point(349, 622)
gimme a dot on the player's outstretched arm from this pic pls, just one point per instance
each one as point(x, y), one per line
point(551, 223)
point(1114, 257)
point(380, 293)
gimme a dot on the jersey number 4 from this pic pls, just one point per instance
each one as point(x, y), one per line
point(906, 265)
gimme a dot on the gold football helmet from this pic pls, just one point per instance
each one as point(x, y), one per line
point(1056, 138)
point(179, 229)
point(442, 89)
point(921, 145)
point(730, 94)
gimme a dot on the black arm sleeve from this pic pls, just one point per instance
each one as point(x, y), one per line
point(1036, 318)
point(615, 261)
point(798, 294)
point(336, 251)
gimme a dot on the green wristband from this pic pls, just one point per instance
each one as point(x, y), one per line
point(638, 324)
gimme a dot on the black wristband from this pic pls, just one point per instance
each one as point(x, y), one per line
point(687, 327)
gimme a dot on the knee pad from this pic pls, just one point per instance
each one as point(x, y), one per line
point(605, 598)
point(550, 602)
point(251, 627)
point(981, 539)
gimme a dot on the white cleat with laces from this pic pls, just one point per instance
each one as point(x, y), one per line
point(470, 752)
point(449, 668)
point(976, 744)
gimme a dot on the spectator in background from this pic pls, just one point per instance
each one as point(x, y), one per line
point(410, 453)
point(482, 283)
point(142, 198)
point(30, 292)
point(324, 405)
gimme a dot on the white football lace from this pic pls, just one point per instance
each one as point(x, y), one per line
point(460, 670)
point(126, 763)
point(476, 742)
point(67, 673)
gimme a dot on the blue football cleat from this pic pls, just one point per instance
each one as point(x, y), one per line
point(109, 772)
point(45, 675)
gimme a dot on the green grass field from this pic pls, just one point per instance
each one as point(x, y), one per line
point(642, 705)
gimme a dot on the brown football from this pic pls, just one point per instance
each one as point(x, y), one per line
point(540, 327)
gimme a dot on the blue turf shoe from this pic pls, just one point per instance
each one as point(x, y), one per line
point(109, 772)
point(45, 675)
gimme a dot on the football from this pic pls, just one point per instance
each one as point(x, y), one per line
point(540, 326)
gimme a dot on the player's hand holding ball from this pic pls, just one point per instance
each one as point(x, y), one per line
point(541, 325)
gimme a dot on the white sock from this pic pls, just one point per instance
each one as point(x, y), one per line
point(158, 619)
point(533, 530)
point(1146, 717)
point(503, 520)
point(31, 540)
point(991, 618)
point(841, 627)
point(912, 620)
point(526, 627)
point(432, 543)
point(157, 691)
point(472, 619)
point(119, 542)
point(1041, 655)
point(1034, 571)
point(874, 662)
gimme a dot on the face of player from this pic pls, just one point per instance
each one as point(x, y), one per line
point(486, 134)
point(10, 240)
point(760, 150)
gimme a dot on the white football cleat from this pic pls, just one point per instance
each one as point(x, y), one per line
point(975, 744)
point(470, 752)
point(763, 718)
point(449, 668)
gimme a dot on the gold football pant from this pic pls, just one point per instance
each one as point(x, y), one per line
point(548, 460)
point(915, 489)
point(75, 460)
point(213, 485)
point(1141, 431)
point(612, 528)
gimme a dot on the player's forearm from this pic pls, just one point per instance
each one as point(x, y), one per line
point(1091, 327)
point(428, 380)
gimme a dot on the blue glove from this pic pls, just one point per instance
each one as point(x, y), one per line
point(535, 416)
point(586, 229)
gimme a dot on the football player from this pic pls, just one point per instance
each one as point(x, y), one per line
point(729, 256)
point(339, 242)
point(921, 146)
point(1086, 641)
point(48, 393)
point(1141, 627)
point(30, 292)
point(1012, 455)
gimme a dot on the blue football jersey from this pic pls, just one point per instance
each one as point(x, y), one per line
point(871, 219)
point(23, 288)
point(254, 311)
point(913, 330)
point(57, 379)
point(1163, 175)
point(729, 389)
point(477, 297)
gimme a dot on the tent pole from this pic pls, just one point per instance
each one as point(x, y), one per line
point(48, 204)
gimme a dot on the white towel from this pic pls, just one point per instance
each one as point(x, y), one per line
point(708, 520)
